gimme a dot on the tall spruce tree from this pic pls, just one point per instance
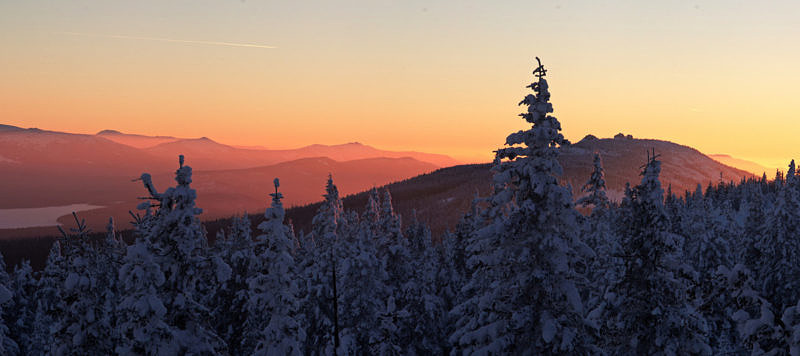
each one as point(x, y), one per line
point(229, 303)
point(320, 307)
point(394, 255)
point(651, 308)
point(595, 187)
point(141, 313)
point(86, 325)
point(527, 264)
point(176, 241)
point(49, 304)
point(426, 314)
point(107, 262)
point(778, 249)
point(361, 292)
point(273, 305)
point(20, 317)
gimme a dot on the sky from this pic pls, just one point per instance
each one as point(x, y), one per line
point(437, 76)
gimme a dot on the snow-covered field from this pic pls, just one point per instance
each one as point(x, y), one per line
point(35, 217)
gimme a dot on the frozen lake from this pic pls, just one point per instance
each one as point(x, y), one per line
point(34, 217)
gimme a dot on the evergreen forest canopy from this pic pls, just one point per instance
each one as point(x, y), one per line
point(712, 272)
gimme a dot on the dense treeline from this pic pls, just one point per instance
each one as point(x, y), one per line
point(709, 272)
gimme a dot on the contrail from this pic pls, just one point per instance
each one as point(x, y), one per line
point(214, 43)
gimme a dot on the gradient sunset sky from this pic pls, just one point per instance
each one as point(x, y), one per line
point(436, 76)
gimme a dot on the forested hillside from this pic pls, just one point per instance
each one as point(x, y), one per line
point(523, 272)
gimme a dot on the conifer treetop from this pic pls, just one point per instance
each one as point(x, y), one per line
point(277, 196)
point(595, 186)
point(331, 192)
point(275, 214)
point(650, 189)
point(529, 165)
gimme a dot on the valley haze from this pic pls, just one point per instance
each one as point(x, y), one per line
point(50, 169)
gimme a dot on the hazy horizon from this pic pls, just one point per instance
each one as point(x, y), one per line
point(441, 77)
point(751, 166)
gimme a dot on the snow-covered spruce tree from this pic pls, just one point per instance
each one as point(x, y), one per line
point(272, 326)
point(20, 317)
point(319, 272)
point(395, 256)
point(370, 218)
point(419, 237)
point(361, 286)
point(598, 232)
point(386, 340)
point(393, 249)
point(650, 309)
point(703, 226)
point(778, 261)
point(140, 325)
point(85, 327)
point(755, 217)
point(176, 241)
point(764, 332)
point(49, 304)
point(734, 214)
point(595, 188)
point(229, 303)
point(597, 228)
point(105, 269)
point(361, 292)
point(478, 236)
point(7, 344)
point(426, 322)
point(728, 300)
point(389, 221)
point(141, 313)
point(214, 272)
point(527, 263)
point(455, 246)
point(674, 207)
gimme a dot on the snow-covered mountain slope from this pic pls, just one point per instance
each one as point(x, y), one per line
point(682, 167)
point(441, 198)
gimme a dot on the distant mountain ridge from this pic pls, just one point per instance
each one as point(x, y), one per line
point(47, 168)
point(742, 164)
point(56, 153)
point(138, 141)
point(35, 150)
point(5, 128)
point(210, 154)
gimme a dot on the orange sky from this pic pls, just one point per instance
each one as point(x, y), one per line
point(440, 76)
